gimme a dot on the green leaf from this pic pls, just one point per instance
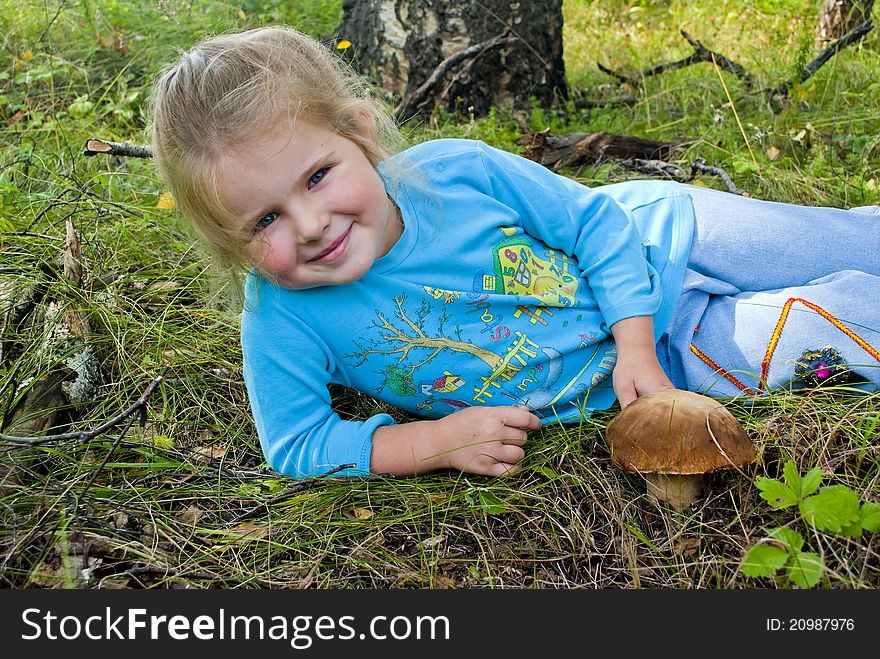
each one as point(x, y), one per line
point(869, 517)
point(763, 560)
point(793, 540)
point(805, 569)
point(547, 471)
point(80, 107)
point(775, 493)
point(853, 530)
point(811, 482)
point(833, 509)
point(792, 477)
point(491, 503)
point(485, 499)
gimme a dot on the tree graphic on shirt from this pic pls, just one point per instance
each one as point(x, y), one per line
point(407, 333)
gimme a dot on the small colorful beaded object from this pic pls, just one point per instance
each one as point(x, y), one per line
point(824, 367)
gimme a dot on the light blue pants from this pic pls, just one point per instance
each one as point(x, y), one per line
point(776, 296)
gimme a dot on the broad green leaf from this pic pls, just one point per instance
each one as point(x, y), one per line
point(853, 530)
point(811, 482)
point(763, 560)
point(869, 517)
point(485, 499)
point(80, 107)
point(792, 477)
point(834, 508)
point(491, 503)
point(805, 569)
point(791, 539)
point(777, 494)
point(547, 471)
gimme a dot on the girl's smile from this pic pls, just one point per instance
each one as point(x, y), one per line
point(335, 251)
point(310, 207)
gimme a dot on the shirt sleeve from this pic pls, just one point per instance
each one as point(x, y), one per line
point(582, 222)
point(287, 372)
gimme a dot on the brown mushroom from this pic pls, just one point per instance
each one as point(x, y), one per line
point(673, 437)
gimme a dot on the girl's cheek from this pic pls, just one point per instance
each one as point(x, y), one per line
point(277, 256)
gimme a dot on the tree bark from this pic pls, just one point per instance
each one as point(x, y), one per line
point(838, 17)
point(481, 53)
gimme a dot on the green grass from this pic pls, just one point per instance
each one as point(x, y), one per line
point(186, 499)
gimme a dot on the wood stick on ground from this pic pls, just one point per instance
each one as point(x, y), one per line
point(781, 90)
point(700, 54)
point(684, 174)
point(576, 149)
point(95, 146)
point(83, 435)
point(293, 489)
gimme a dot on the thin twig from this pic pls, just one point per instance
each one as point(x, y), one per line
point(157, 570)
point(681, 173)
point(85, 435)
point(619, 76)
point(293, 489)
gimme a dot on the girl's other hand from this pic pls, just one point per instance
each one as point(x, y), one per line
point(636, 373)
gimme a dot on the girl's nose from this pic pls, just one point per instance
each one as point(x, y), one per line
point(311, 226)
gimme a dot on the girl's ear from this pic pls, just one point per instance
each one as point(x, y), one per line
point(365, 126)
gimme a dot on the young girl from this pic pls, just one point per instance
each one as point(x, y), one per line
point(474, 287)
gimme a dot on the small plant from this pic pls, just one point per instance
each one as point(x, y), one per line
point(831, 509)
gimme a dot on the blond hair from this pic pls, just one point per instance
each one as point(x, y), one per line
point(233, 87)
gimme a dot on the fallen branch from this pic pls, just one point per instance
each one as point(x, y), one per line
point(95, 146)
point(703, 54)
point(577, 149)
point(139, 406)
point(159, 571)
point(700, 165)
point(686, 173)
point(293, 489)
point(851, 37)
point(700, 54)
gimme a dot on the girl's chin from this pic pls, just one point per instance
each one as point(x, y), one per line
point(347, 275)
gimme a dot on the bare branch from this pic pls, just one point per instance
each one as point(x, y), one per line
point(700, 54)
point(95, 146)
point(706, 55)
point(137, 407)
point(299, 486)
point(813, 65)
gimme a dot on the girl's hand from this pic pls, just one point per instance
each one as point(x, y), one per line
point(636, 373)
point(485, 440)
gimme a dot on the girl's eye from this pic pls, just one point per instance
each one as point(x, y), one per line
point(315, 178)
point(266, 220)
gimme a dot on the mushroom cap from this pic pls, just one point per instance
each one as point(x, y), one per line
point(668, 432)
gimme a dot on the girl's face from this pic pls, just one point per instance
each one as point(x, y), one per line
point(311, 209)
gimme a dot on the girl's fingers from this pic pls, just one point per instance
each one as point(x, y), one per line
point(521, 417)
point(503, 469)
point(515, 437)
point(510, 454)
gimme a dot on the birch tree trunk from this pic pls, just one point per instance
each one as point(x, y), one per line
point(838, 17)
point(481, 53)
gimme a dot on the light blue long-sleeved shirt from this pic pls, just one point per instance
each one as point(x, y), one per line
point(500, 291)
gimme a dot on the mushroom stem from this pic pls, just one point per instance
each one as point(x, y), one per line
point(679, 491)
